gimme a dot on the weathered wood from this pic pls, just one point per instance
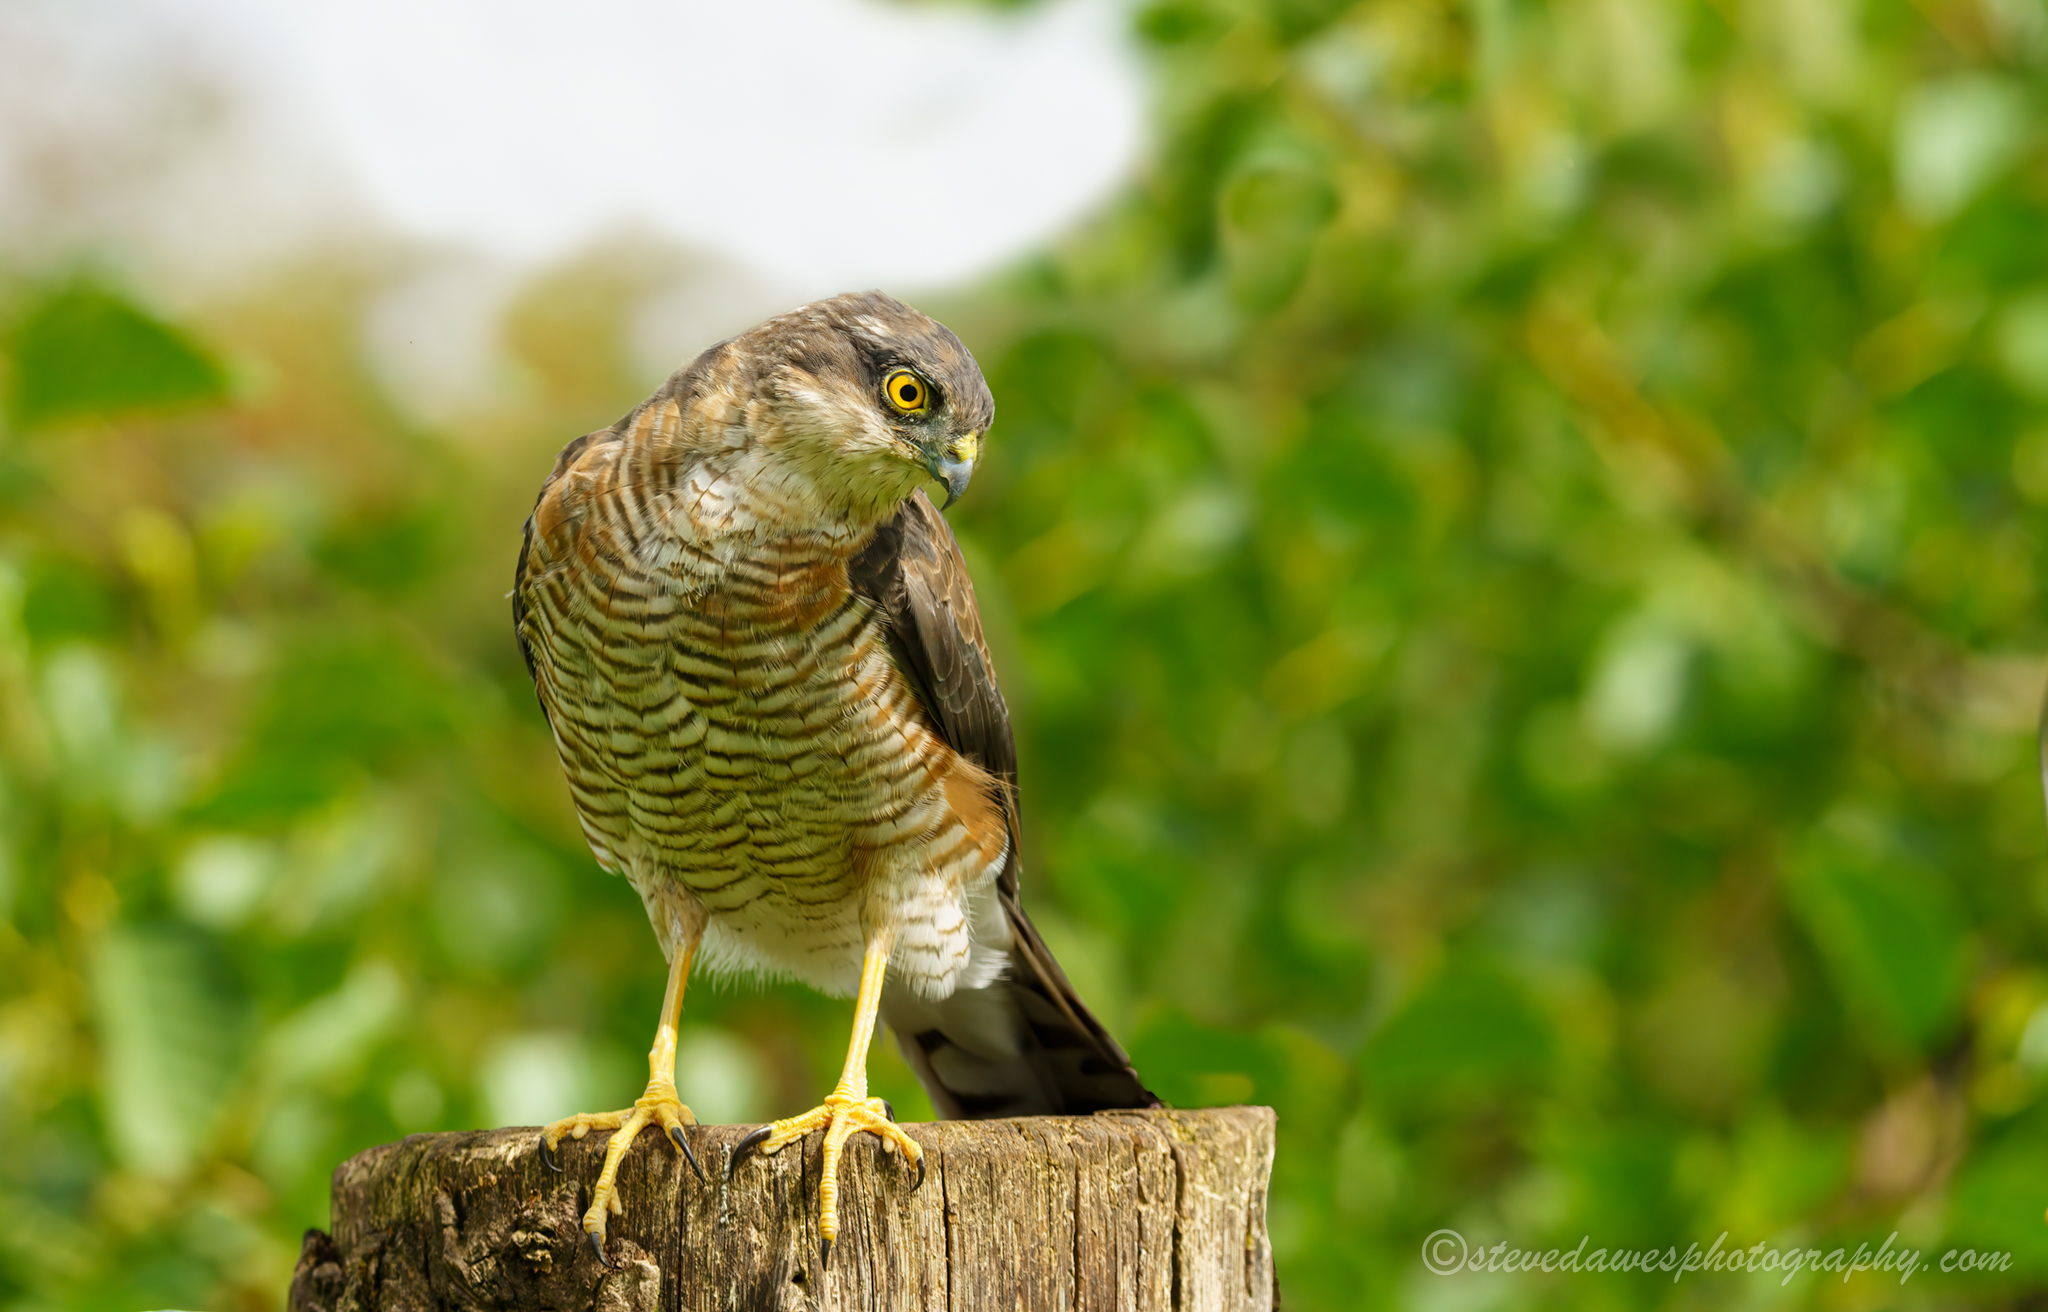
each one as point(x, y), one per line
point(1121, 1211)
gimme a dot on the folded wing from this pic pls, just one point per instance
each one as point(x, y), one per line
point(1025, 1044)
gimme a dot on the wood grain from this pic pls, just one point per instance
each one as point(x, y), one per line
point(1120, 1211)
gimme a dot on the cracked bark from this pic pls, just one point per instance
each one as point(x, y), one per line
point(1122, 1211)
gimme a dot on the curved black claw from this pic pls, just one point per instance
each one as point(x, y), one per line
point(920, 1176)
point(547, 1154)
point(675, 1132)
point(745, 1146)
point(824, 1256)
point(889, 1110)
point(597, 1247)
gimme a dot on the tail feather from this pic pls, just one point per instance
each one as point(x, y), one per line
point(1023, 1045)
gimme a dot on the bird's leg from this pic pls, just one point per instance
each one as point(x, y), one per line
point(658, 1103)
point(847, 1110)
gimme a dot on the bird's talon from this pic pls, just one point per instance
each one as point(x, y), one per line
point(547, 1154)
point(675, 1132)
point(824, 1255)
point(888, 1110)
point(919, 1182)
point(597, 1247)
point(745, 1146)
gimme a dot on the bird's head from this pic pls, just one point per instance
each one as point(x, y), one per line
point(851, 402)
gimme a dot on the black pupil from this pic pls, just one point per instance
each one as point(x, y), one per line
point(907, 393)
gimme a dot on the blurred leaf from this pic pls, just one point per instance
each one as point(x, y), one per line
point(386, 553)
point(1190, 1064)
point(722, 1074)
point(335, 712)
point(323, 1041)
point(495, 907)
point(1623, 1168)
point(1999, 1202)
point(1888, 932)
point(1468, 1034)
point(1952, 136)
point(85, 352)
point(66, 599)
point(1272, 216)
point(528, 1078)
point(173, 1027)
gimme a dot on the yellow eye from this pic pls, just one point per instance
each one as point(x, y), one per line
point(906, 391)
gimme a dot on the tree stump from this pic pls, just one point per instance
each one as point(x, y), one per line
point(1121, 1210)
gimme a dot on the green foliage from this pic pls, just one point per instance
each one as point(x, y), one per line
point(1465, 1038)
point(1890, 937)
point(84, 352)
point(1515, 549)
point(171, 1023)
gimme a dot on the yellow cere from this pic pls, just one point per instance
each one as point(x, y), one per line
point(967, 447)
point(906, 391)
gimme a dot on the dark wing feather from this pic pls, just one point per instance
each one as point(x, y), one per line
point(913, 570)
point(914, 574)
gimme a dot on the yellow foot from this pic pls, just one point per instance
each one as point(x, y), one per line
point(841, 1117)
point(659, 1103)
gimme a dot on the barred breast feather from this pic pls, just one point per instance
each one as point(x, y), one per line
point(733, 728)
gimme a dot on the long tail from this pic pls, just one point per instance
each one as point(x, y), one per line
point(1024, 1045)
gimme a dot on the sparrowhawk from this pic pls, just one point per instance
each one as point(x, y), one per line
point(757, 645)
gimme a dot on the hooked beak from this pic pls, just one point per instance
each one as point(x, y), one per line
point(953, 465)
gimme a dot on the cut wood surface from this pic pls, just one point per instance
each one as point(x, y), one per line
point(1123, 1211)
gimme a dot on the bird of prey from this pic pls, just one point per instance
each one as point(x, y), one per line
point(757, 645)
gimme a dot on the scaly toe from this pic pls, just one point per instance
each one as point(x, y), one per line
point(877, 1118)
point(840, 1117)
